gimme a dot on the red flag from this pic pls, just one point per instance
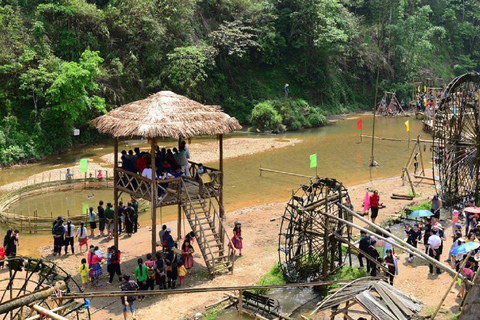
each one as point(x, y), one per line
point(359, 124)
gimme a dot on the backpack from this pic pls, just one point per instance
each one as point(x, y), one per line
point(151, 271)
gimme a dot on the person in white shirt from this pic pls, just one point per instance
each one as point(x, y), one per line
point(434, 243)
point(69, 235)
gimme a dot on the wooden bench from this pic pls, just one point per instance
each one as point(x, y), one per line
point(263, 303)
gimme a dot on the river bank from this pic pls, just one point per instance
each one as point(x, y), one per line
point(260, 254)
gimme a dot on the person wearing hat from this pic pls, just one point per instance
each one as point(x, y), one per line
point(434, 243)
point(414, 235)
point(363, 246)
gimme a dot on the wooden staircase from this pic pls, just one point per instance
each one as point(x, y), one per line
point(205, 221)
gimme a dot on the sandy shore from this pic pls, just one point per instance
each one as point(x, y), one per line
point(260, 254)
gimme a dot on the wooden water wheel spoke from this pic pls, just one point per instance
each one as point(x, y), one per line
point(307, 240)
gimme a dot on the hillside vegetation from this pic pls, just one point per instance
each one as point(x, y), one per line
point(64, 62)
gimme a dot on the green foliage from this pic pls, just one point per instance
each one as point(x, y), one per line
point(273, 277)
point(424, 205)
point(347, 273)
point(265, 117)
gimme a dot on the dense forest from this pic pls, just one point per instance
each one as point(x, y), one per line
point(64, 62)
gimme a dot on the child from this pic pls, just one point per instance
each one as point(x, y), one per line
point(2, 257)
point(187, 254)
point(128, 301)
point(82, 236)
point(84, 271)
point(182, 272)
point(455, 214)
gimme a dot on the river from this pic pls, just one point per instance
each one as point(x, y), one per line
point(341, 155)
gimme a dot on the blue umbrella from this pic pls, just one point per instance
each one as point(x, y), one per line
point(420, 214)
point(465, 248)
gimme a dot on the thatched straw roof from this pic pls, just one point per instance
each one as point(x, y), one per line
point(166, 115)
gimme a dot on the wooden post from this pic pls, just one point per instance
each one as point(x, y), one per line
point(240, 303)
point(154, 196)
point(409, 180)
point(115, 192)
point(179, 205)
point(220, 196)
point(421, 154)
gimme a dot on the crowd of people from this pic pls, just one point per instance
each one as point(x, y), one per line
point(432, 234)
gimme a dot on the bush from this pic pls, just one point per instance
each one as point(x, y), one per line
point(317, 120)
point(265, 117)
point(273, 277)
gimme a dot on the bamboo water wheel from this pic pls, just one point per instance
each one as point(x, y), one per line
point(457, 138)
point(27, 281)
point(309, 243)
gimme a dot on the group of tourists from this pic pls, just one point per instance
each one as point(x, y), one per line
point(103, 219)
point(166, 160)
point(10, 244)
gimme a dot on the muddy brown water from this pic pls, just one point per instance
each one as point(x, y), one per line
point(339, 151)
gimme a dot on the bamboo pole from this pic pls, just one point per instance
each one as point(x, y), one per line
point(283, 172)
point(31, 297)
point(397, 140)
point(65, 306)
point(399, 242)
point(451, 285)
point(49, 313)
point(220, 196)
point(111, 294)
point(154, 196)
point(115, 192)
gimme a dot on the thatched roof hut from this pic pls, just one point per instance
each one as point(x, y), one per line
point(166, 115)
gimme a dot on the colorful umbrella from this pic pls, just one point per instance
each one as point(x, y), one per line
point(465, 248)
point(420, 214)
point(472, 209)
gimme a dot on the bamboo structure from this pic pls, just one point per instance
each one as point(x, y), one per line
point(48, 313)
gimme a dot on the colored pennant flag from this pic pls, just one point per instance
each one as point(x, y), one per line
point(366, 202)
point(407, 124)
point(313, 160)
point(359, 124)
point(424, 88)
point(418, 89)
point(83, 165)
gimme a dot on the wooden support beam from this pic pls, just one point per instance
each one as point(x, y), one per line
point(66, 306)
point(31, 297)
point(409, 180)
point(154, 195)
point(48, 313)
point(115, 193)
point(396, 139)
point(284, 172)
point(220, 196)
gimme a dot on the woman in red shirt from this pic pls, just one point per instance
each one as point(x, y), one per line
point(374, 202)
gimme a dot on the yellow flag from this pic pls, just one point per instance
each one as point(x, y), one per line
point(407, 124)
point(418, 89)
point(424, 88)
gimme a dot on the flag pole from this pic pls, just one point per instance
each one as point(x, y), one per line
point(372, 157)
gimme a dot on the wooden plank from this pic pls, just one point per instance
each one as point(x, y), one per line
point(392, 296)
point(374, 306)
point(407, 301)
point(390, 303)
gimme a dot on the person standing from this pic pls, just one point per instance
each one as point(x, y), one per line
point(141, 273)
point(151, 273)
point(427, 232)
point(69, 235)
point(109, 215)
point(414, 235)
point(128, 301)
point(9, 244)
point(135, 217)
point(182, 160)
point(129, 217)
point(58, 234)
point(187, 254)
point(168, 240)
point(391, 264)
point(469, 216)
point(434, 243)
point(121, 216)
point(114, 266)
point(373, 253)
point(363, 246)
point(92, 216)
point(101, 218)
point(161, 233)
point(374, 204)
point(435, 208)
point(84, 271)
point(237, 238)
point(182, 272)
point(161, 271)
point(285, 90)
point(82, 236)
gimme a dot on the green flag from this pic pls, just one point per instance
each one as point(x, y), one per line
point(83, 165)
point(313, 160)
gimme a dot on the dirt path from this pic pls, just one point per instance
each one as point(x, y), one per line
point(260, 254)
